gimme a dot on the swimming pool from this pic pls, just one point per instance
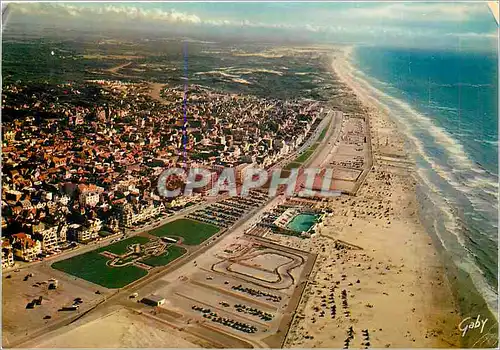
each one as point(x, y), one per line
point(302, 222)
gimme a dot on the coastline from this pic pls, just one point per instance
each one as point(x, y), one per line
point(396, 287)
point(457, 284)
point(393, 271)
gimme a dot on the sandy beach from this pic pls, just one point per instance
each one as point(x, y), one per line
point(124, 329)
point(394, 287)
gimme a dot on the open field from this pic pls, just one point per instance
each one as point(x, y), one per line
point(95, 266)
point(267, 260)
point(92, 267)
point(346, 174)
point(304, 156)
point(191, 232)
point(323, 133)
point(252, 272)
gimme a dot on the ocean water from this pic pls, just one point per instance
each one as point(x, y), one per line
point(446, 103)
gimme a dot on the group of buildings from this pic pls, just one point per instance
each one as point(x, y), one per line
point(83, 159)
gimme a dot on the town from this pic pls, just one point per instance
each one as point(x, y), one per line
point(81, 160)
point(249, 175)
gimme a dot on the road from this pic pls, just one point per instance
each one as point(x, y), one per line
point(309, 142)
point(314, 137)
point(327, 145)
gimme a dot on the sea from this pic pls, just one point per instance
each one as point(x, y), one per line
point(446, 103)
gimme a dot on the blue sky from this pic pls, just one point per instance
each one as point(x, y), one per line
point(398, 24)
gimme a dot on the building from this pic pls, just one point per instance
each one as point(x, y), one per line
point(9, 135)
point(84, 234)
point(94, 225)
point(48, 236)
point(153, 300)
point(89, 199)
point(7, 254)
point(25, 248)
point(62, 231)
point(89, 195)
point(240, 171)
point(13, 195)
point(129, 215)
point(49, 239)
point(126, 215)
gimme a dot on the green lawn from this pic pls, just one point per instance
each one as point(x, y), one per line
point(292, 165)
point(121, 246)
point(299, 161)
point(104, 233)
point(92, 267)
point(172, 253)
point(192, 232)
point(304, 156)
point(323, 133)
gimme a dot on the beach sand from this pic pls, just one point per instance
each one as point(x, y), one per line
point(123, 329)
point(395, 286)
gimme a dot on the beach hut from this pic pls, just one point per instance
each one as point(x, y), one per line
point(153, 300)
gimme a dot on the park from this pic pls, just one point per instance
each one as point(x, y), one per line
point(123, 262)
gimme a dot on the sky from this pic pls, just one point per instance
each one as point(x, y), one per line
point(444, 24)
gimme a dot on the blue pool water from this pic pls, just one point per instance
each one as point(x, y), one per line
point(302, 222)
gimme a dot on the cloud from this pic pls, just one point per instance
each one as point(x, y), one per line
point(472, 35)
point(361, 23)
point(110, 11)
point(430, 12)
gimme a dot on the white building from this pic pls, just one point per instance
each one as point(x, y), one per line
point(89, 199)
point(153, 300)
point(89, 195)
point(64, 200)
point(86, 233)
point(7, 254)
point(129, 216)
point(49, 239)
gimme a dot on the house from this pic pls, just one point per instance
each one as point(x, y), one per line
point(13, 195)
point(153, 300)
point(26, 248)
point(48, 237)
point(89, 195)
point(129, 216)
point(85, 233)
point(7, 254)
point(62, 231)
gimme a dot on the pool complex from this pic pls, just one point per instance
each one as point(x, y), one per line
point(302, 222)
